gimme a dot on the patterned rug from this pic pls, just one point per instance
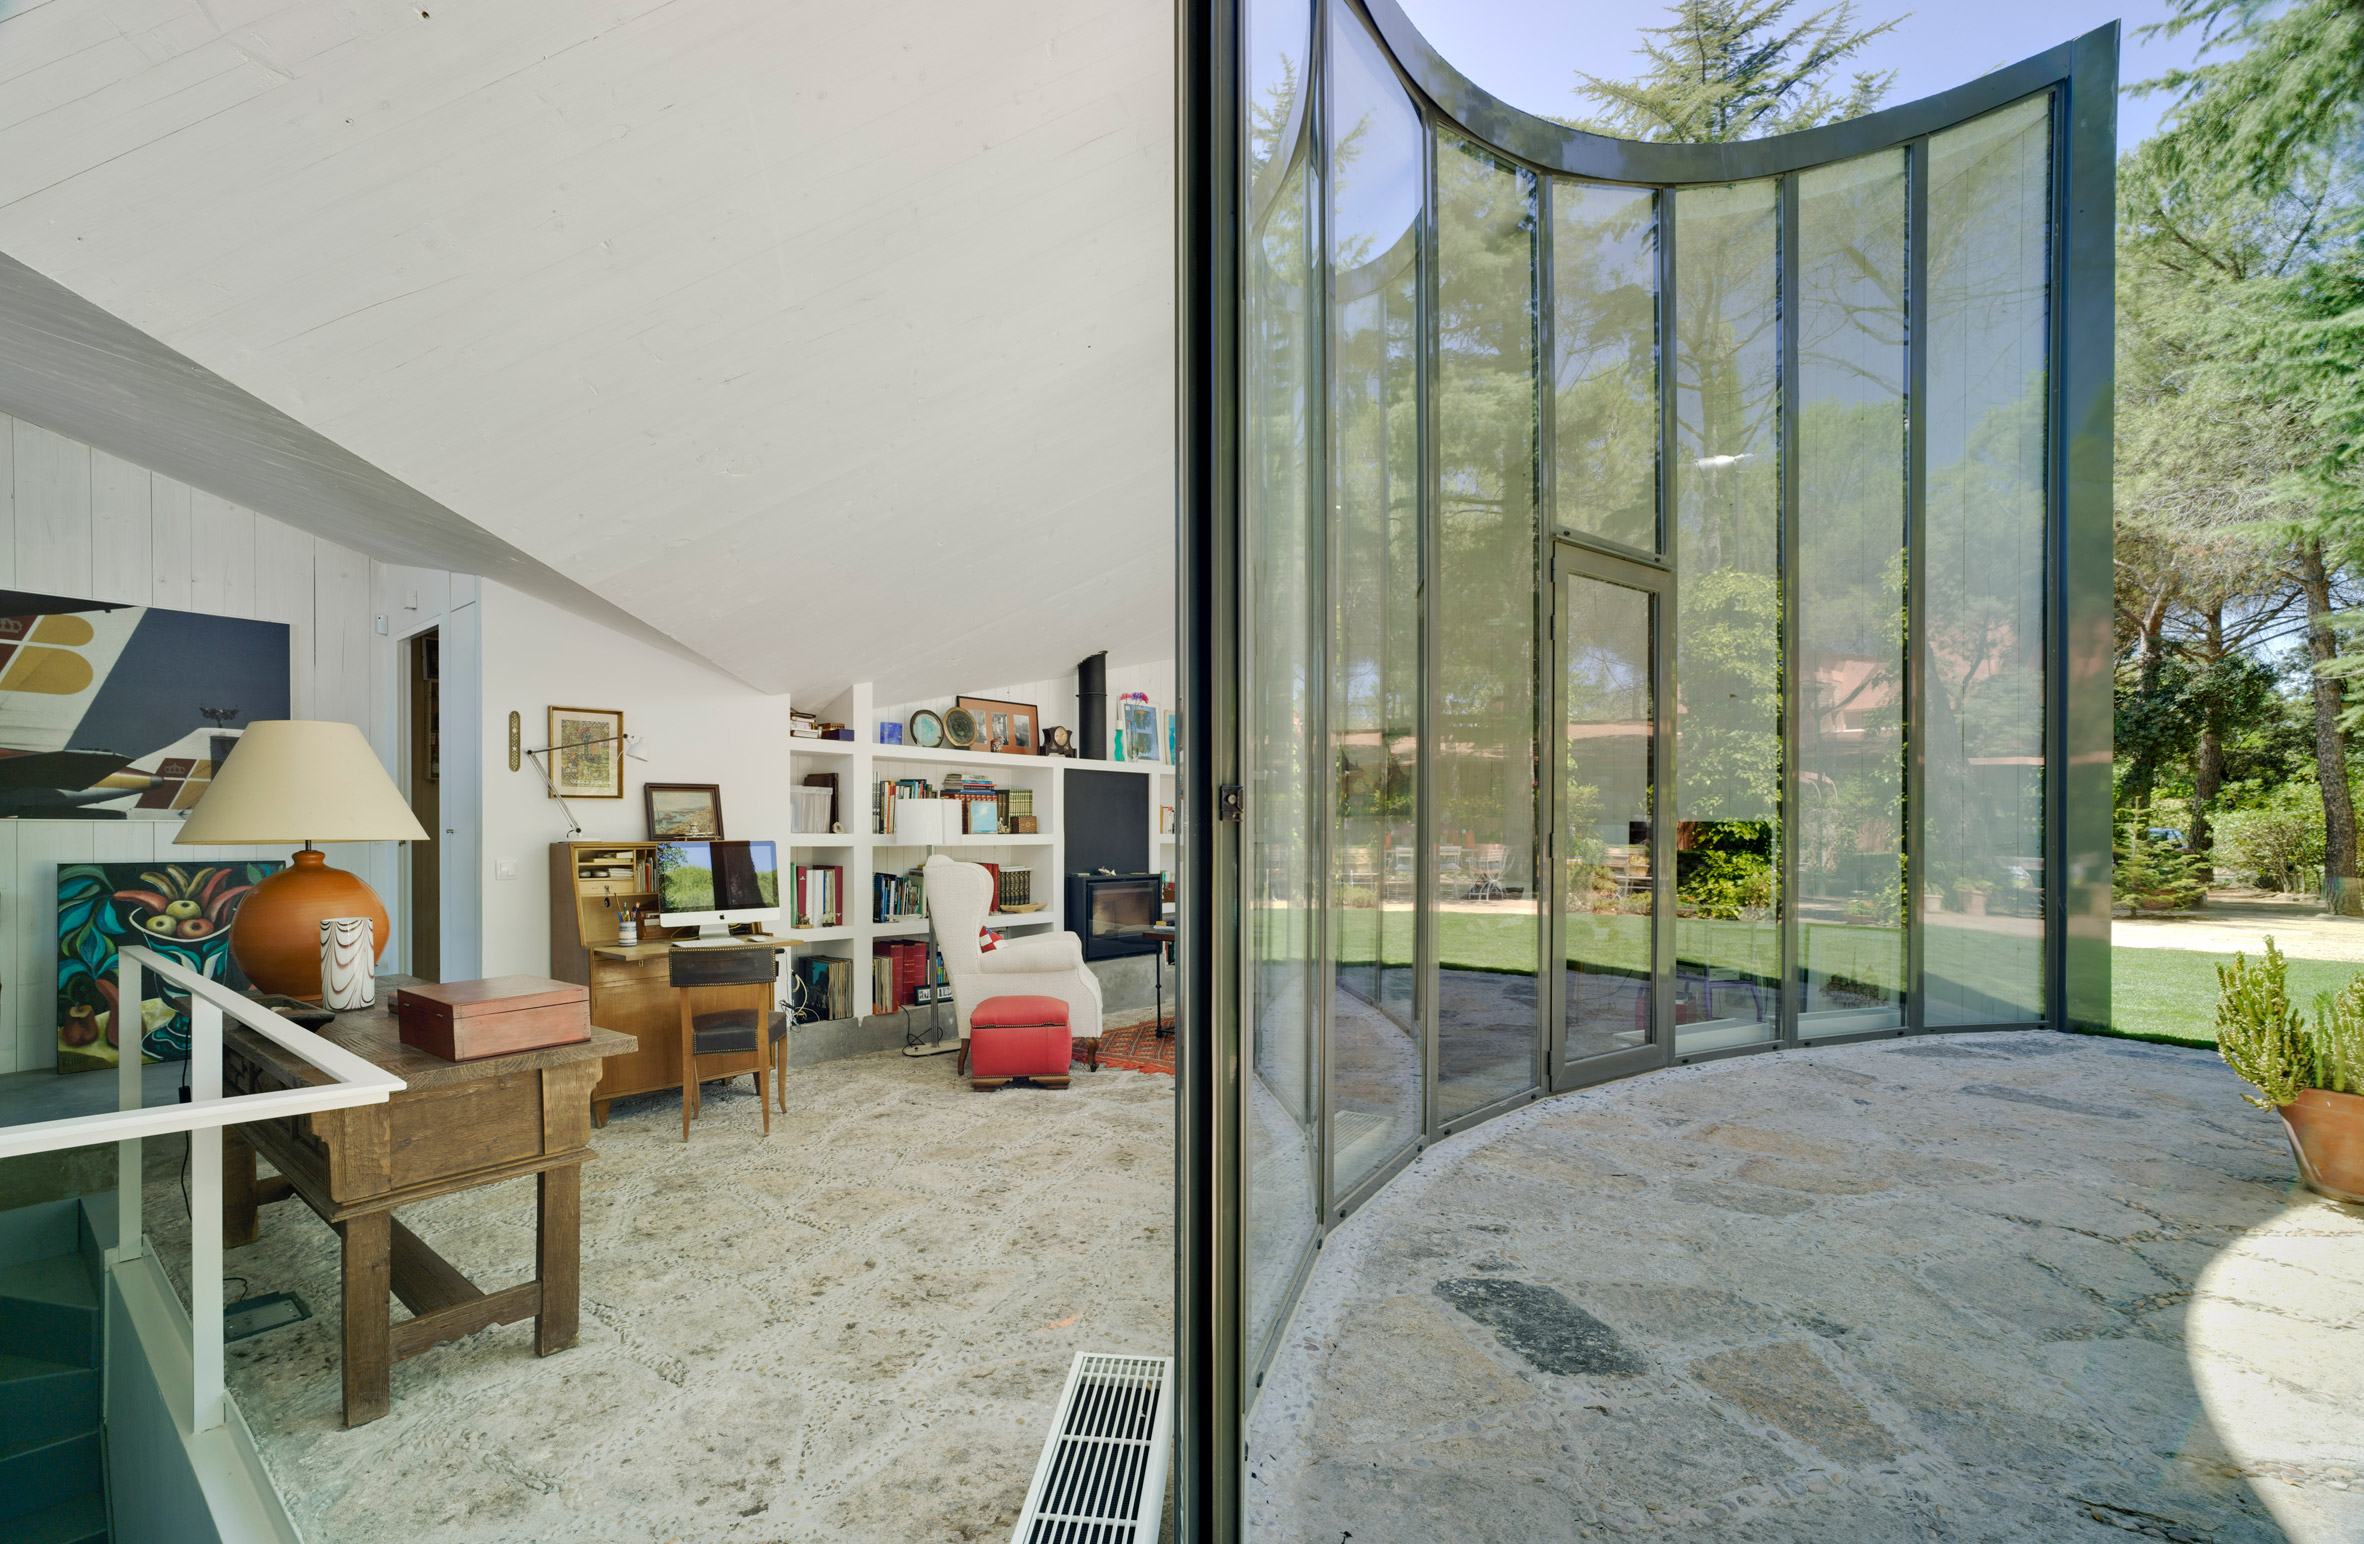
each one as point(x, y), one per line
point(1138, 1047)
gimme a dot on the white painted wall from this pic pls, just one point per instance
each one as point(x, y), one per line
point(698, 726)
point(77, 521)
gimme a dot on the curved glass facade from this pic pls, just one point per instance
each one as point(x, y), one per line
point(1655, 634)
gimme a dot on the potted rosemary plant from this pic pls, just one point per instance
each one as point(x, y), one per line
point(2310, 1075)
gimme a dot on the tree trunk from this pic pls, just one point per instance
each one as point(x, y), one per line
point(2150, 653)
point(2331, 745)
point(2208, 766)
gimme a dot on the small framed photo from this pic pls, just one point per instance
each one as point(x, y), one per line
point(684, 812)
point(1140, 731)
point(587, 753)
point(1006, 728)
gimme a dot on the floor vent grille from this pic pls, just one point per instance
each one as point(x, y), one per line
point(1102, 1477)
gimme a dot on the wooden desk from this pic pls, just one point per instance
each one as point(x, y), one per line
point(632, 989)
point(457, 1126)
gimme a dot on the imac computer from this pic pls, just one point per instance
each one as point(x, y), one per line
point(710, 885)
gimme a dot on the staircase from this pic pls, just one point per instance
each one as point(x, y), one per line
point(52, 1476)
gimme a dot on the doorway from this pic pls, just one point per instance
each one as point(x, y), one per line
point(426, 777)
point(1609, 908)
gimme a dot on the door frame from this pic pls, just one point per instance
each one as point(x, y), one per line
point(1572, 558)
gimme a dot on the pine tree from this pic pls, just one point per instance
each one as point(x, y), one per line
point(1738, 69)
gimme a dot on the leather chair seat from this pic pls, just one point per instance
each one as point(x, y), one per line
point(732, 1029)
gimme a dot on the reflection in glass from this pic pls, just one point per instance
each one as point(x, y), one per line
point(1604, 367)
point(1608, 710)
point(1725, 464)
point(1849, 825)
point(1283, 754)
point(1375, 190)
point(1983, 605)
point(1279, 41)
point(1488, 933)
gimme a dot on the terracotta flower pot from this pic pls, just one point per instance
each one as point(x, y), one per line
point(2326, 1132)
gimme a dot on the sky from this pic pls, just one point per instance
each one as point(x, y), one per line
point(1527, 51)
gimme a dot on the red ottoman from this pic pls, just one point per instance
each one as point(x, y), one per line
point(1019, 1037)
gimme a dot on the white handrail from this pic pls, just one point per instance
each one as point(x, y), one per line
point(355, 1081)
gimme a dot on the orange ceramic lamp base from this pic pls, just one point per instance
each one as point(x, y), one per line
point(275, 937)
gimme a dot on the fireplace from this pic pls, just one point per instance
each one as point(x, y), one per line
point(1109, 911)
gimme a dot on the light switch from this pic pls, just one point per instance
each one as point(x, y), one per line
point(504, 868)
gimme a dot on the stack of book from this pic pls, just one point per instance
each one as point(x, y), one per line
point(803, 725)
point(900, 969)
point(980, 803)
point(887, 791)
point(1016, 888)
point(828, 988)
point(819, 895)
point(895, 897)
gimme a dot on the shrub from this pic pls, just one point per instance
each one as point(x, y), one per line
point(2153, 875)
point(2274, 842)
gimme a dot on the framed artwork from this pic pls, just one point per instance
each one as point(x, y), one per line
point(1140, 731)
point(115, 712)
point(1005, 728)
point(182, 911)
point(587, 753)
point(684, 812)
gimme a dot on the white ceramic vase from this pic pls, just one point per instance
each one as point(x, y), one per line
point(348, 963)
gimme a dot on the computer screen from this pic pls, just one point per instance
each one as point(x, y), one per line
point(695, 877)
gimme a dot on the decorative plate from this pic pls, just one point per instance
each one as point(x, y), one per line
point(927, 728)
point(960, 728)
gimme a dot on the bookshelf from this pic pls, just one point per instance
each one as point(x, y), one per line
point(860, 765)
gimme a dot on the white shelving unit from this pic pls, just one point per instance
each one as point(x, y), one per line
point(862, 762)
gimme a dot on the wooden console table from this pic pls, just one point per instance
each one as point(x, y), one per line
point(457, 1126)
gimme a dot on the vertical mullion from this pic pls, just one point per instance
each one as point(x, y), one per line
point(1916, 522)
point(1424, 929)
point(1663, 770)
point(1549, 993)
point(1321, 623)
point(1785, 305)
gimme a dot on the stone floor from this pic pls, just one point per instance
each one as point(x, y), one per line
point(2001, 1287)
point(854, 1330)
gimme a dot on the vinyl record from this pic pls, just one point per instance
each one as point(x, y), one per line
point(960, 729)
point(927, 728)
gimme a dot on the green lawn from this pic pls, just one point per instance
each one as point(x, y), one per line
point(2172, 992)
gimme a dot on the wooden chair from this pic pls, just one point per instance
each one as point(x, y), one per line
point(755, 1029)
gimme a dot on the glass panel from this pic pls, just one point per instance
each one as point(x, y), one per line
point(1283, 758)
point(1488, 938)
point(1726, 466)
point(1280, 34)
point(1850, 623)
point(1983, 608)
point(1604, 344)
point(1375, 1064)
point(1608, 708)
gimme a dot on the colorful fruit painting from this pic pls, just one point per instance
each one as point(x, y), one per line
point(182, 911)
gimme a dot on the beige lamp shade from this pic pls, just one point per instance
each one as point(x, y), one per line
point(300, 780)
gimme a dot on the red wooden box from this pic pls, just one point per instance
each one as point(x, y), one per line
point(470, 1020)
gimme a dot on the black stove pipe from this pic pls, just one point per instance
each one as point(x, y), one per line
point(1091, 707)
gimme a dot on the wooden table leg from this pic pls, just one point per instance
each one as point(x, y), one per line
point(599, 1113)
point(559, 1258)
point(241, 1212)
point(369, 1355)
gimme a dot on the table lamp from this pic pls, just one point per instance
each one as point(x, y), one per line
point(299, 780)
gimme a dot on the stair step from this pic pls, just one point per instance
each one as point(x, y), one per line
point(43, 1474)
point(41, 1400)
point(60, 1279)
point(49, 1332)
point(79, 1520)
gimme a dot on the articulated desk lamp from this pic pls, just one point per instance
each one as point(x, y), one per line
point(574, 827)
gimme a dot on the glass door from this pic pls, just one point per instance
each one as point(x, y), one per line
point(1608, 848)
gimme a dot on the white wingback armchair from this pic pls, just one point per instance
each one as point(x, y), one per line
point(960, 897)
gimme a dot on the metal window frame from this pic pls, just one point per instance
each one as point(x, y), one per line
point(1212, 201)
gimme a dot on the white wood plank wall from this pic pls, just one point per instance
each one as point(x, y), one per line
point(77, 521)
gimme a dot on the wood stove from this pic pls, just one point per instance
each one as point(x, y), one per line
point(1109, 912)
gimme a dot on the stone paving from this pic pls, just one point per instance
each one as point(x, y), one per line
point(1995, 1287)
